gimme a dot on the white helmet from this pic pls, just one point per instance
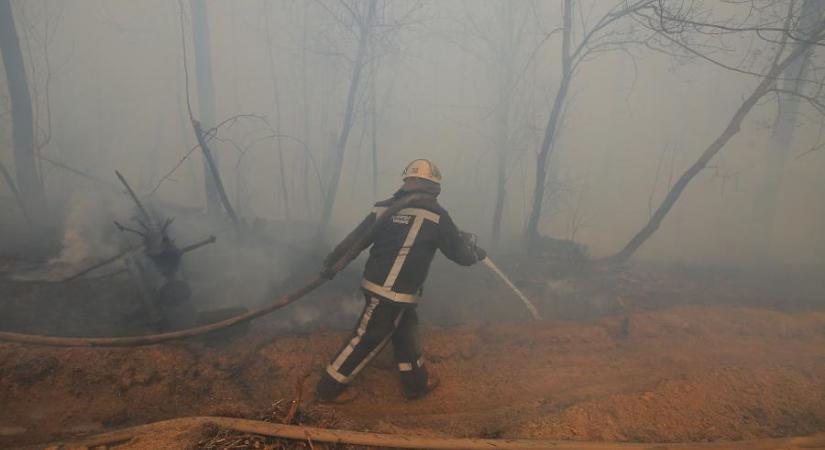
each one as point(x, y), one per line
point(422, 168)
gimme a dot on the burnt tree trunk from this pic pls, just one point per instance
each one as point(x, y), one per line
point(778, 154)
point(346, 126)
point(551, 130)
point(374, 130)
point(206, 96)
point(308, 206)
point(25, 164)
point(214, 173)
point(503, 143)
point(17, 197)
point(501, 194)
point(276, 102)
point(768, 82)
point(505, 75)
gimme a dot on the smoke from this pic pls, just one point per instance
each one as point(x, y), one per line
point(86, 235)
point(118, 100)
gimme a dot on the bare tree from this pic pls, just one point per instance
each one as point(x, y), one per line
point(787, 119)
point(374, 128)
point(372, 24)
point(205, 93)
point(598, 37)
point(206, 97)
point(363, 16)
point(305, 106)
point(513, 34)
point(695, 31)
point(39, 31)
point(7, 178)
point(23, 131)
point(502, 38)
point(276, 101)
point(379, 114)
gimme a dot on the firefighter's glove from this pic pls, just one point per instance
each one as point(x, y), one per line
point(480, 253)
point(471, 241)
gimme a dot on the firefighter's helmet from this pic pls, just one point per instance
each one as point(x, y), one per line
point(422, 168)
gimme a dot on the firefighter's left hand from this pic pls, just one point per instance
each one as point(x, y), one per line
point(480, 253)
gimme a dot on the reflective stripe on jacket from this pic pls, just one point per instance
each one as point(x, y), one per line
point(403, 246)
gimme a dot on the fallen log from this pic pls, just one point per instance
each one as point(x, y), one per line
point(100, 264)
point(383, 440)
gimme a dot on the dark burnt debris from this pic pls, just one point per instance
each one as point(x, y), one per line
point(154, 264)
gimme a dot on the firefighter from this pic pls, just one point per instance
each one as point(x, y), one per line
point(403, 246)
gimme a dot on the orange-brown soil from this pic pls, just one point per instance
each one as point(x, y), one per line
point(682, 373)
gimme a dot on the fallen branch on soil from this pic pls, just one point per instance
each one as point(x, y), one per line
point(381, 440)
point(187, 249)
point(101, 264)
point(133, 341)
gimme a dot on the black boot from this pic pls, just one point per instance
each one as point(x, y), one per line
point(432, 384)
point(331, 391)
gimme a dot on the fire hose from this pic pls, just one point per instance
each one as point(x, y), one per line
point(527, 303)
point(472, 238)
point(280, 302)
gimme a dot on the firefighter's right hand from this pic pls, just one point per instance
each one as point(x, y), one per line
point(327, 273)
point(480, 253)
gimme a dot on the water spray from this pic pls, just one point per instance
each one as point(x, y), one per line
point(532, 308)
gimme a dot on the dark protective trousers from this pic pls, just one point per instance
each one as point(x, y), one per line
point(381, 321)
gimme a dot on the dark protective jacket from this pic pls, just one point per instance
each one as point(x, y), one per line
point(403, 246)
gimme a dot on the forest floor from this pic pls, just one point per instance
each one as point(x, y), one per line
point(688, 355)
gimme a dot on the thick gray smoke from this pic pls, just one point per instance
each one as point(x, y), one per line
point(453, 81)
